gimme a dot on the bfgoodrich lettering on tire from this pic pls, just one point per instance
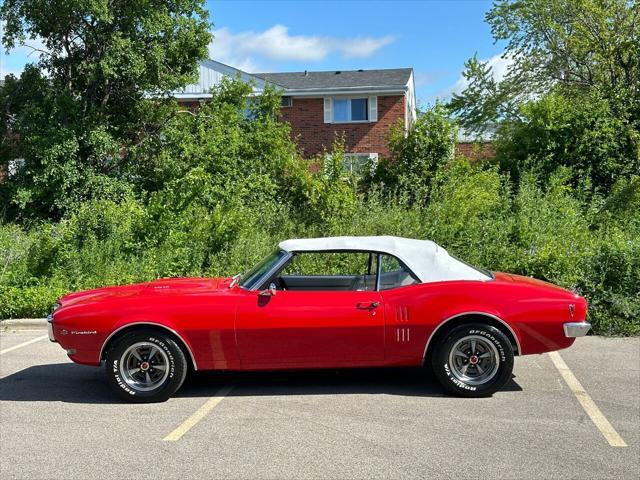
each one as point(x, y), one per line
point(473, 360)
point(146, 366)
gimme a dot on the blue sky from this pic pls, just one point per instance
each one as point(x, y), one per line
point(433, 37)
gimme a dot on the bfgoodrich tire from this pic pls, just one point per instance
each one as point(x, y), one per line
point(146, 366)
point(473, 360)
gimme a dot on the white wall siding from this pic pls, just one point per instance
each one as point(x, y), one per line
point(210, 74)
point(208, 78)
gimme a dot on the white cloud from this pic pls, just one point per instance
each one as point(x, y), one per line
point(275, 43)
point(362, 47)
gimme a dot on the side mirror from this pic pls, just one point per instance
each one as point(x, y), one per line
point(269, 292)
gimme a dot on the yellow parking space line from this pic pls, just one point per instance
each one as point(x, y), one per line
point(199, 414)
point(589, 406)
point(24, 344)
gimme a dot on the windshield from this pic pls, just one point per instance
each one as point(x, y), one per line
point(251, 277)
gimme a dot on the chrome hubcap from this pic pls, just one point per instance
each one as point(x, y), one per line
point(474, 360)
point(144, 366)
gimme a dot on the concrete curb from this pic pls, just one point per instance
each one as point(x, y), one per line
point(24, 323)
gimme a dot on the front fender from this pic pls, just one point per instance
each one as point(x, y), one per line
point(160, 324)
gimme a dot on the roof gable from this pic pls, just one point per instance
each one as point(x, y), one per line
point(210, 74)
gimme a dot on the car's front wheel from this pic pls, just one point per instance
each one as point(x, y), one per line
point(473, 360)
point(146, 366)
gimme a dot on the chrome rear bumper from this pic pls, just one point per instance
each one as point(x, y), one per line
point(576, 329)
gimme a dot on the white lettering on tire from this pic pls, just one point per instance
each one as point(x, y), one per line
point(457, 382)
point(493, 339)
point(165, 348)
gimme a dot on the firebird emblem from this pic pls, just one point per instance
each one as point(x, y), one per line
point(572, 309)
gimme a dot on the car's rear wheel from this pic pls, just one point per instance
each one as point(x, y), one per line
point(146, 366)
point(473, 360)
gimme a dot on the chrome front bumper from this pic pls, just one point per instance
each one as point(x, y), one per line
point(50, 328)
point(576, 329)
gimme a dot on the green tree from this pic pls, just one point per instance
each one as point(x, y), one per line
point(417, 155)
point(109, 54)
point(573, 43)
point(598, 141)
point(81, 108)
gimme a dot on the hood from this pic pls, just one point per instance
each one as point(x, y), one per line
point(164, 285)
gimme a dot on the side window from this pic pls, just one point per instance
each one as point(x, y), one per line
point(329, 271)
point(394, 274)
point(328, 263)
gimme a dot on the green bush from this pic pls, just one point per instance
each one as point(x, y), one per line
point(595, 136)
point(417, 155)
point(28, 302)
point(473, 212)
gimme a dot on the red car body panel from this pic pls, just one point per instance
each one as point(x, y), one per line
point(235, 329)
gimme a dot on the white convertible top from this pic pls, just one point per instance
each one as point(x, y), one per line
point(426, 259)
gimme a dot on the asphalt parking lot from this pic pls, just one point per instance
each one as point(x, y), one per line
point(61, 420)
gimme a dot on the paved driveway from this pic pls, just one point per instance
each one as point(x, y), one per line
point(60, 420)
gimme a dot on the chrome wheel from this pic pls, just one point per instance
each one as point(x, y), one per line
point(144, 366)
point(474, 360)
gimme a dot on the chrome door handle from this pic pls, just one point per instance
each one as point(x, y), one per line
point(367, 305)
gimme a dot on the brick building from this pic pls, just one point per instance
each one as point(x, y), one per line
point(358, 105)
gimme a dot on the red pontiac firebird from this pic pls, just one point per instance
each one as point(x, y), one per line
point(322, 303)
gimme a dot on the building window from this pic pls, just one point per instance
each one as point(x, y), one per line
point(360, 163)
point(359, 109)
point(286, 102)
point(350, 109)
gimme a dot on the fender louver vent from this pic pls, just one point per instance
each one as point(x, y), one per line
point(402, 313)
point(403, 334)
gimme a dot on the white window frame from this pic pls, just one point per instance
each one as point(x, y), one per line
point(372, 109)
point(366, 157)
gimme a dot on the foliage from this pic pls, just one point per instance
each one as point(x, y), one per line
point(107, 54)
point(330, 194)
point(593, 137)
point(587, 44)
point(571, 92)
point(418, 154)
point(75, 115)
point(474, 211)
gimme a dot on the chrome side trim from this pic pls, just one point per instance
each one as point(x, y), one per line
point(104, 344)
point(424, 355)
point(576, 329)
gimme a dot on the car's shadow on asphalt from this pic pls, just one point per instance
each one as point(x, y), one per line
point(71, 383)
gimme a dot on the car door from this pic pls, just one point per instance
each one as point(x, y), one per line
point(310, 328)
point(315, 321)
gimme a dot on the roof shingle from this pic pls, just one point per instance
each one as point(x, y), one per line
point(393, 77)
